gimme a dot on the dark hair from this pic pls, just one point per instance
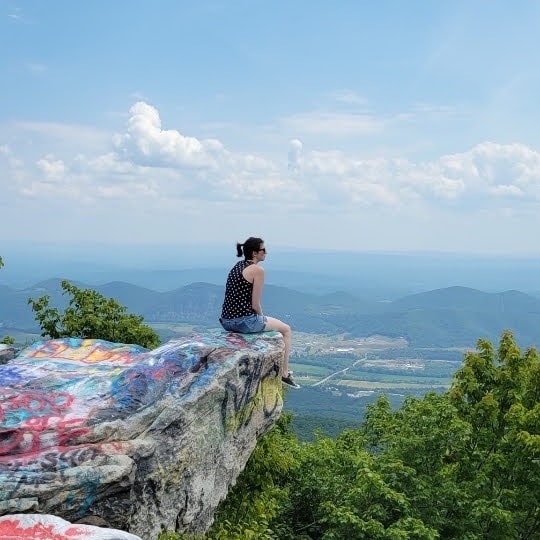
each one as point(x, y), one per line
point(248, 247)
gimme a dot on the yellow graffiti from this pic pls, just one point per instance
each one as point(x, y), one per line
point(267, 397)
point(168, 475)
point(88, 352)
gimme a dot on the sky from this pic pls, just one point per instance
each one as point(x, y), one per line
point(348, 125)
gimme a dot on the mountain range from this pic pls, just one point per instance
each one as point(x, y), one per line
point(446, 317)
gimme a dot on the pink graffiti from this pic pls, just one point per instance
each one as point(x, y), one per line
point(40, 422)
point(38, 531)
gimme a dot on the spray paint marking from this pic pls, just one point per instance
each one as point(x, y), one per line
point(55, 394)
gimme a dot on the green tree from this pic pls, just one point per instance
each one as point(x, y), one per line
point(416, 449)
point(340, 490)
point(468, 460)
point(90, 315)
point(497, 392)
point(463, 465)
point(260, 491)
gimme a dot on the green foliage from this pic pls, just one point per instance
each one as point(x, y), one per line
point(90, 315)
point(254, 501)
point(310, 427)
point(1, 262)
point(338, 491)
point(168, 535)
point(318, 401)
point(457, 466)
point(467, 461)
point(498, 394)
point(417, 447)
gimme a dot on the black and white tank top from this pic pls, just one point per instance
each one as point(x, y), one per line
point(238, 293)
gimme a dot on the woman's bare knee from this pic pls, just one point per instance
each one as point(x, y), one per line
point(275, 324)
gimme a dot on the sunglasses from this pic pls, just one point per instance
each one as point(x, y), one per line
point(263, 250)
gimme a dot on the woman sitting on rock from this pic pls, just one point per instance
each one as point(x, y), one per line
point(242, 311)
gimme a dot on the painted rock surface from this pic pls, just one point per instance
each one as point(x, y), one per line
point(143, 439)
point(46, 527)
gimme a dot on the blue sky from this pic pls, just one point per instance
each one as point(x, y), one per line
point(380, 126)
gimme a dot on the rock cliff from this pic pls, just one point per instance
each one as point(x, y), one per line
point(143, 439)
point(6, 353)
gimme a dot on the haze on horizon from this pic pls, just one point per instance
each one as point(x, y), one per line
point(379, 275)
point(356, 126)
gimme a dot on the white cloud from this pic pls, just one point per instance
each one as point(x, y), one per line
point(165, 174)
point(333, 123)
point(54, 169)
point(295, 156)
point(203, 169)
point(491, 168)
point(505, 191)
point(12, 161)
point(349, 97)
point(147, 143)
point(16, 15)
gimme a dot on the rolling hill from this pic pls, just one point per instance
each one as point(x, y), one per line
point(452, 316)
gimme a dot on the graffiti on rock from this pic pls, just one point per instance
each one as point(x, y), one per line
point(71, 408)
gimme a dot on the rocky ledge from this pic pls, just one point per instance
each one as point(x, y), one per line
point(142, 439)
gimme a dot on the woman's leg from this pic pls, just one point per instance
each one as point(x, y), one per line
point(285, 330)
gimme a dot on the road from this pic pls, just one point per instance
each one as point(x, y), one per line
point(344, 370)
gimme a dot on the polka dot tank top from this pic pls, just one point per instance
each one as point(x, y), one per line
point(238, 293)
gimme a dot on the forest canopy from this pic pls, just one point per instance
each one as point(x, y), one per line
point(462, 465)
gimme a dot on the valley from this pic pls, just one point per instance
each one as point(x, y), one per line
point(346, 352)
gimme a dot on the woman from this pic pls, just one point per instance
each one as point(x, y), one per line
point(242, 311)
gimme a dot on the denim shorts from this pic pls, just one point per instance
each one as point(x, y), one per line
point(249, 324)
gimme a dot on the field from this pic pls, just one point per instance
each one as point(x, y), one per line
point(340, 376)
point(374, 362)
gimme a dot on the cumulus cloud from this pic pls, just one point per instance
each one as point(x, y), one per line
point(53, 169)
point(295, 156)
point(147, 162)
point(487, 170)
point(491, 168)
point(146, 142)
point(199, 168)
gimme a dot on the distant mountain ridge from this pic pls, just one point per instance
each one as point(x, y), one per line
point(465, 298)
point(451, 316)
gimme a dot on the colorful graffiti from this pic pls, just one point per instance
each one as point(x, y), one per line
point(43, 527)
point(69, 408)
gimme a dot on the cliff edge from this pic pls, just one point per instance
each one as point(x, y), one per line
point(142, 439)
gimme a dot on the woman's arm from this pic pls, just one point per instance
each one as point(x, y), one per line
point(258, 282)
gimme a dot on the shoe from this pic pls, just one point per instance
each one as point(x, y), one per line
point(288, 380)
